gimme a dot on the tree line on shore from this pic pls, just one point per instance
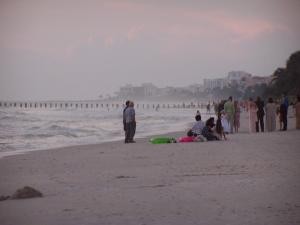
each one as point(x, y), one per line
point(284, 80)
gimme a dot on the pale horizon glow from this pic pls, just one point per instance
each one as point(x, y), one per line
point(82, 49)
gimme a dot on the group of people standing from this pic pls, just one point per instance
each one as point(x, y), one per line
point(261, 116)
point(228, 120)
point(258, 110)
point(229, 111)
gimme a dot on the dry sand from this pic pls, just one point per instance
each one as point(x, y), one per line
point(249, 179)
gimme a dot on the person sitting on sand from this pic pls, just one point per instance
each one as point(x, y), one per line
point(197, 127)
point(207, 131)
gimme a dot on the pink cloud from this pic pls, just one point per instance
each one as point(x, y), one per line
point(134, 32)
point(108, 41)
point(237, 27)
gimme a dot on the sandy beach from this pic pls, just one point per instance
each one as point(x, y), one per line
point(248, 179)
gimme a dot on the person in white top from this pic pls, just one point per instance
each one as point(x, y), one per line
point(198, 126)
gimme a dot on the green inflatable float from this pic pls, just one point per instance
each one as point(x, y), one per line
point(162, 140)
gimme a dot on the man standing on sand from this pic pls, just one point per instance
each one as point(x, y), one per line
point(285, 103)
point(260, 114)
point(124, 119)
point(229, 112)
point(297, 111)
point(130, 123)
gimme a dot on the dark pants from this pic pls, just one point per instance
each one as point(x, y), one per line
point(260, 122)
point(284, 120)
point(129, 131)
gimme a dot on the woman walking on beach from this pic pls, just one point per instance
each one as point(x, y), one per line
point(297, 109)
point(237, 115)
point(252, 109)
point(271, 109)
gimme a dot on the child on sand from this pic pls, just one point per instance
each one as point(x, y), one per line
point(219, 128)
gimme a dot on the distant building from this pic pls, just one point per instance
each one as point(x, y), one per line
point(196, 88)
point(150, 90)
point(126, 91)
point(146, 90)
point(238, 77)
point(256, 80)
point(214, 83)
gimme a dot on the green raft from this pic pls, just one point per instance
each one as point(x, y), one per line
point(162, 140)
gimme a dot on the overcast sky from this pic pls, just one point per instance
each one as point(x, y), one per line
point(79, 49)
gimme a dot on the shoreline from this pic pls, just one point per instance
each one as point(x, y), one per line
point(248, 179)
point(176, 134)
point(3, 155)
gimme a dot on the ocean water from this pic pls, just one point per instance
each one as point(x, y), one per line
point(23, 130)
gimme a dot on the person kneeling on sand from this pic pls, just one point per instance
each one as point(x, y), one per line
point(197, 127)
point(207, 131)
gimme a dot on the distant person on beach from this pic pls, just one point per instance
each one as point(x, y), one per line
point(271, 109)
point(237, 115)
point(130, 123)
point(207, 131)
point(224, 122)
point(260, 115)
point(216, 108)
point(281, 112)
point(297, 112)
point(252, 111)
point(208, 108)
point(197, 127)
point(220, 106)
point(124, 119)
point(220, 128)
point(229, 112)
point(285, 103)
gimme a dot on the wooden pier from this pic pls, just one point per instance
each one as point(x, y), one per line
point(94, 105)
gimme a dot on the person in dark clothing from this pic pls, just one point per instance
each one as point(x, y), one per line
point(124, 119)
point(280, 112)
point(130, 123)
point(221, 106)
point(260, 115)
point(207, 131)
point(219, 127)
point(285, 102)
